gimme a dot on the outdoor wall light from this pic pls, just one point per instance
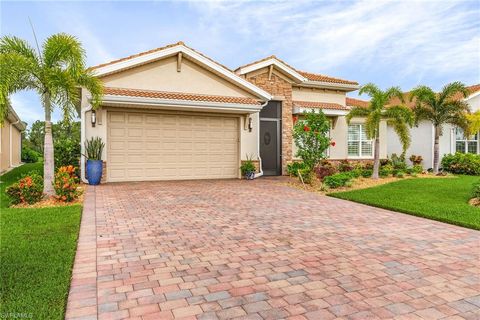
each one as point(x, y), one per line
point(250, 124)
point(94, 118)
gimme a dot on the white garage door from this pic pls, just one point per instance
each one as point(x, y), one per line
point(149, 146)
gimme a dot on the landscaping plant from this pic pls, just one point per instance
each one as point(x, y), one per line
point(66, 184)
point(476, 190)
point(416, 160)
point(248, 168)
point(380, 108)
point(294, 167)
point(325, 169)
point(94, 148)
point(446, 107)
point(462, 163)
point(29, 189)
point(56, 73)
point(29, 155)
point(312, 141)
point(337, 180)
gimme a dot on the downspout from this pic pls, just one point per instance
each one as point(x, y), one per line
point(11, 149)
point(82, 142)
point(257, 175)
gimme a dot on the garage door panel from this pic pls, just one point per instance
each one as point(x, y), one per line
point(133, 118)
point(171, 146)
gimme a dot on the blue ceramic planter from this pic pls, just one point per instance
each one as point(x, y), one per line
point(94, 171)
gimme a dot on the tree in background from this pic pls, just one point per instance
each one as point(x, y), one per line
point(398, 116)
point(56, 72)
point(446, 107)
point(36, 135)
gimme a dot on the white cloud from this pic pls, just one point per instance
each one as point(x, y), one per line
point(407, 38)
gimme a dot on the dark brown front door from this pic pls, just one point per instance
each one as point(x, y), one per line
point(270, 138)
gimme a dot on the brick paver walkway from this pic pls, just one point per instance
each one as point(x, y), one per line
point(262, 250)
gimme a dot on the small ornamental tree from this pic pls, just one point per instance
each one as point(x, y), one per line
point(311, 138)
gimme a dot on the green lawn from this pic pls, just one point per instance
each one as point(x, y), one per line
point(442, 199)
point(37, 249)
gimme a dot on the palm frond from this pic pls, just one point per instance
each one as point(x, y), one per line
point(357, 112)
point(394, 92)
point(372, 124)
point(400, 113)
point(450, 90)
point(370, 89)
point(403, 133)
point(422, 95)
point(459, 120)
point(63, 51)
point(93, 85)
point(15, 45)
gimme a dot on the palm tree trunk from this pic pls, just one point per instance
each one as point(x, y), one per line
point(376, 159)
point(48, 160)
point(436, 150)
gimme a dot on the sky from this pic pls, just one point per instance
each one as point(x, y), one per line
point(389, 43)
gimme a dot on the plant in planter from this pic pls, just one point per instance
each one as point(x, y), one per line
point(248, 169)
point(94, 148)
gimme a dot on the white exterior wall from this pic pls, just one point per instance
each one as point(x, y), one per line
point(249, 141)
point(423, 139)
point(422, 143)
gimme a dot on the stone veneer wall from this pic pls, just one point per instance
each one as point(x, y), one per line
point(281, 90)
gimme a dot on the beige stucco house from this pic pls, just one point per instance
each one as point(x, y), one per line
point(173, 113)
point(11, 141)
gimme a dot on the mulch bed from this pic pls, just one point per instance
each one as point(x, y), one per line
point(53, 202)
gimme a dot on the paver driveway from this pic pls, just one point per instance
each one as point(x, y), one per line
point(262, 250)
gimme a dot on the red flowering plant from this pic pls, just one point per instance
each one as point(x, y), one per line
point(28, 190)
point(66, 184)
point(312, 141)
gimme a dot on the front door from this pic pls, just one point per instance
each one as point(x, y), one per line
point(270, 138)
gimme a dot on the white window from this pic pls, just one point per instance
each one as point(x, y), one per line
point(465, 144)
point(358, 143)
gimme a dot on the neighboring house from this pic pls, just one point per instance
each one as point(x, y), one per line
point(11, 141)
point(173, 113)
point(452, 139)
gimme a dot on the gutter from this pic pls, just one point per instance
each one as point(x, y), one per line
point(257, 175)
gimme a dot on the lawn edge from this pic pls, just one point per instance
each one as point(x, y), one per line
point(338, 195)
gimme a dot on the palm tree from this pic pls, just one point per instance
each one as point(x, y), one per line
point(398, 116)
point(441, 108)
point(56, 73)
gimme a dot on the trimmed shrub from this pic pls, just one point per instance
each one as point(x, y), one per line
point(337, 180)
point(417, 169)
point(29, 155)
point(345, 166)
point(292, 168)
point(367, 173)
point(462, 163)
point(476, 190)
point(398, 162)
point(29, 189)
point(67, 152)
point(385, 171)
point(66, 184)
point(324, 170)
point(355, 173)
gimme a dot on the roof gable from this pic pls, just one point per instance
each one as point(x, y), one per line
point(272, 61)
point(143, 58)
